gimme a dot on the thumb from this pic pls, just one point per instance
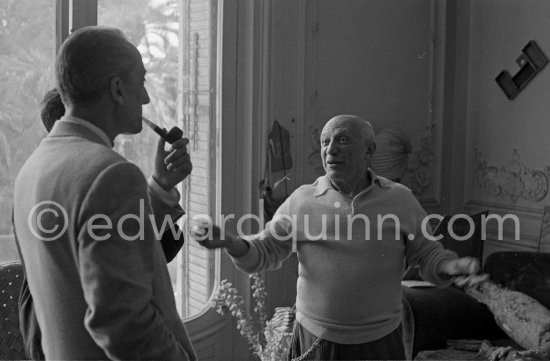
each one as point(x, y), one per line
point(160, 145)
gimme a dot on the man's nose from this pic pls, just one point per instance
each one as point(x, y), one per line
point(332, 147)
point(146, 98)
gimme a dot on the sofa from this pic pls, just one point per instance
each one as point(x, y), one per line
point(434, 316)
point(11, 341)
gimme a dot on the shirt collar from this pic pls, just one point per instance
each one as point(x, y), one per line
point(325, 184)
point(97, 131)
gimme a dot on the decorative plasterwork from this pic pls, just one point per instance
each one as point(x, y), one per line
point(314, 157)
point(513, 180)
point(419, 170)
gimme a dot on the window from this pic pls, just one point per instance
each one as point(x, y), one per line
point(27, 49)
point(177, 41)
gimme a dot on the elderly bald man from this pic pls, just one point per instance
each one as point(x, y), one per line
point(348, 304)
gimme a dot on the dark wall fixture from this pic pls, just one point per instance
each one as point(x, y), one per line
point(531, 61)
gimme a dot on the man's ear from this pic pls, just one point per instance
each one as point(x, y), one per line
point(371, 149)
point(116, 89)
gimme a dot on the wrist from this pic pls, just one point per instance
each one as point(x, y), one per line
point(163, 185)
point(236, 247)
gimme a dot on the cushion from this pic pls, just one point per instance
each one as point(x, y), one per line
point(526, 272)
point(442, 314)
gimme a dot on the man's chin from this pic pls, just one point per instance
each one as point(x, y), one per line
point(136, 130)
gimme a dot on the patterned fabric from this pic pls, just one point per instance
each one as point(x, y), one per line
point(11, 342)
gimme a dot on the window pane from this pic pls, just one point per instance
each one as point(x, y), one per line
point(176, 42)
point(27, 53)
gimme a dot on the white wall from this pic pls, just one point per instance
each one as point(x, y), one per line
point(506, 155)
point(378, 59)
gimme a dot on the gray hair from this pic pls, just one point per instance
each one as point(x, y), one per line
point(89, 59)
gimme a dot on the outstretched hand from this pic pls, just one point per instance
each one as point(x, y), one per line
point(207, 234)
point(459, 267)
point(173, 165)
point(212, 237)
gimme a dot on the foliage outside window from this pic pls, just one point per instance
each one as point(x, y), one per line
point(27, 50)
point(175, 39)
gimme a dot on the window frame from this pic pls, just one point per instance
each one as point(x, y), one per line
point(243, 104)
point(73, 14)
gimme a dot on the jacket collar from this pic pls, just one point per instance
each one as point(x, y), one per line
point(73, 126)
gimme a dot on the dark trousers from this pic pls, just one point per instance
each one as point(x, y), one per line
point(389, 347)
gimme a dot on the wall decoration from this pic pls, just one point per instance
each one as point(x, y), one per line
point(314, 157)
point(531, 61)
point(513, 180)
point(544, 238)
point(391, 159)
point(419, 173)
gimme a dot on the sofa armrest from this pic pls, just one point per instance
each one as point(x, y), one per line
point(442, 314)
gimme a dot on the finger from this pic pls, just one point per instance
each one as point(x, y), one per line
point(473, 267)
point(160, 145)
point(180, 143)
point(201, 234)
point(460, 281)
point(198, 231)
point(176, 154)
point(467, 265)
point(484, 277)
point(179, 161)
point(184, 168)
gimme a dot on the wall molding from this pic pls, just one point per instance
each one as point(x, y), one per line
point(502, 207)
point(314, 156)
point(420, 171)
point(512, 181)
point(530, 222)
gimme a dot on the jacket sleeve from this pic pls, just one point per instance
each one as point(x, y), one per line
point(171, 243)
point(167, 211)
point(117, 267)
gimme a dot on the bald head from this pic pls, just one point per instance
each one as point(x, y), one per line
point(347, 145)
point(354, 122)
